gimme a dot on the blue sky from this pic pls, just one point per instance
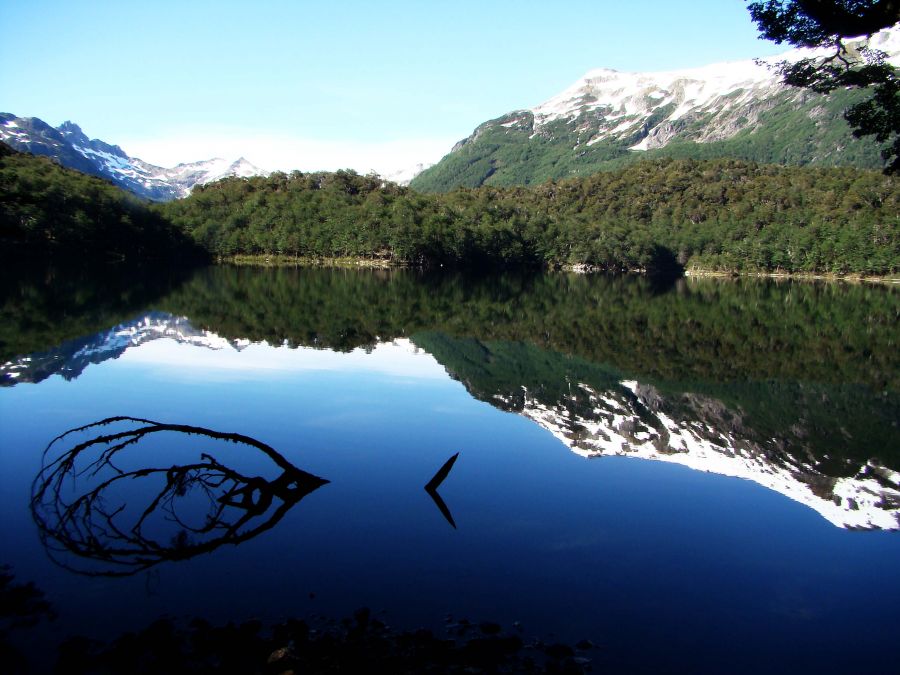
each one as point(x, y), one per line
point(321, 85)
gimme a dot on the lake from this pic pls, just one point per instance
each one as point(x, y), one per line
point(699, 477)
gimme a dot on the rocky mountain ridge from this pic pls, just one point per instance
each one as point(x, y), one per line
point(735, 109)
point(69, 145)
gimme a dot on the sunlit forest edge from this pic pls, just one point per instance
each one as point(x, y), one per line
point(658, 215)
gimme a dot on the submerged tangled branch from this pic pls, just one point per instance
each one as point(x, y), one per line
point(102, 523)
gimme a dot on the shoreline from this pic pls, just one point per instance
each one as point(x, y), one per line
point(304, 261)
point(698, 273)
point(355, 262)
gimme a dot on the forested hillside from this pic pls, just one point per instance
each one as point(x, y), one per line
point(716, 214)
point(652, 216)
point(49, 210)
point(797, 129)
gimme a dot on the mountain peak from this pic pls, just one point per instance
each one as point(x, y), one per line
point(71, 147)
point(737, 109)
point(70, 127)
point(73, 133)
point(242, 168)
point(637, 97)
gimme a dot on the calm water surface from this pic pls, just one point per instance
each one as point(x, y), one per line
point(700, 478)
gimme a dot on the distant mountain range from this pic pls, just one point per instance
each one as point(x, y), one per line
point(607, 118)
point(68, 145)
point(604, 120)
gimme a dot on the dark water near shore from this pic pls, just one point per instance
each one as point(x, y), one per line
point(702, 477)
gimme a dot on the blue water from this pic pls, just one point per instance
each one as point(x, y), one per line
point(671, 570)
point(666, 569)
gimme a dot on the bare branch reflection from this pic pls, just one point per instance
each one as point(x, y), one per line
point(103, 509)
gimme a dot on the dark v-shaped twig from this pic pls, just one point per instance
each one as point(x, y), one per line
point(432, 486)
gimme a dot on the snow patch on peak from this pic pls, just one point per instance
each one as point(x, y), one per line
point(598, 73)
point(614, 94)
point(887, 41)
point(69, 145)
point(185, 176)
point(721, 94)
point(244, 169)
point(180, 179)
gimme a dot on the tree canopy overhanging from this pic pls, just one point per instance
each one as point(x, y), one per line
point(832, 23)
point(816, 23)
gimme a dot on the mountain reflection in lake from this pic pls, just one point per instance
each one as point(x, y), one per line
point(374, 379)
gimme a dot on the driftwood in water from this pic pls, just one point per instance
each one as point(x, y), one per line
point(78, 499)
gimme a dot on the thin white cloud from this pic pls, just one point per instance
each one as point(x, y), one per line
point(287, 153)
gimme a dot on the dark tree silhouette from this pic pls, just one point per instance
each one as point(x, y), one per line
point(22, 605)
point(831, 23)
point(98, 502)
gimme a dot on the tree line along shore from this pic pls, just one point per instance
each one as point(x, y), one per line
point(713, 216)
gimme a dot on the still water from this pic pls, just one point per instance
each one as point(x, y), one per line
point(703, 477)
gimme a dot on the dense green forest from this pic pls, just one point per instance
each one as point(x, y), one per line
point(716, 214)
point(48, 210)
point(659, 215)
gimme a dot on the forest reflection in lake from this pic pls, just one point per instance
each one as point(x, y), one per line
point(373, 379)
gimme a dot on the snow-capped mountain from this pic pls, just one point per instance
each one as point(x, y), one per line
point(634, 420)
point(72, 148)
point(736, 109)
point(661, 103)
